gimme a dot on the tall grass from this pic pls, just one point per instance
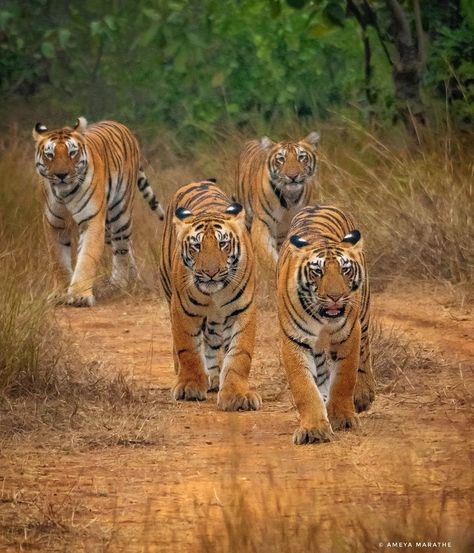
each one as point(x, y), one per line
point(273, 517)
point(414, 209)
point(414, 205)
point(26, 357)
point(22, 332)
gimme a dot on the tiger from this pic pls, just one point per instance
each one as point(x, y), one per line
point(324, 318)
point(90, 174)
point(208, 277)
point(273, 182)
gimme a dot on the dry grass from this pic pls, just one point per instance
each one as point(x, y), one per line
point(48, 394)
point(414, 205)
point(414, 208)
point(274, 517)
point(41, 521)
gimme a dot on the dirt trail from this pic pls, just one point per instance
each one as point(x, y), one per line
point(165, 494)
point(429, 316)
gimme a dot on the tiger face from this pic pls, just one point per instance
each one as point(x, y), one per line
point(61, 156)
point(210, 247)
point(329, 276)
point(291, 164)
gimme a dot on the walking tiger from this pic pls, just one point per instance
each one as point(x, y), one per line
point(274, 181)
point(90, 175)
point(207, 273)
point(324, 314)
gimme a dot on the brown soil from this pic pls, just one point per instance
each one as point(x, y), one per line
point(161, 496)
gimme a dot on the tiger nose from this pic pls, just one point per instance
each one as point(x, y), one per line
point(211, 272)
point(335, 297)
point(61, 176)
point(292, 174)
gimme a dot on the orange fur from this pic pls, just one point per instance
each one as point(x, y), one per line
point(274, 181)
point(323, 307)
point(90, 175)
point(207, 273)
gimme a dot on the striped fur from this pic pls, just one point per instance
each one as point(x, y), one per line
point(324, 314)
point(207, 273)
point(274, 181)
point(90, 175)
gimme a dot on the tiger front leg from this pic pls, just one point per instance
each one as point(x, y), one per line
point(340, 405)
point(191, 381)
point(234, 393)
point(213, 340)
point(91, 246)
point(58, 241)
point(314, 424)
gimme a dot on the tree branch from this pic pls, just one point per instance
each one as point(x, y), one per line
point(420, 35)
point(368, 69)
point(398, 15)
point(372, 20)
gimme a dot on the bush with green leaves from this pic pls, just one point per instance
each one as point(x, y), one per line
point(192, 64)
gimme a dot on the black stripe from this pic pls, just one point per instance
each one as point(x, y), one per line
point(117, 202)
point(297, 342)
point(237, 296)
point(279, 195)
point(89, 218)
point(188, 313)
point(239, 311)
point(73, 191)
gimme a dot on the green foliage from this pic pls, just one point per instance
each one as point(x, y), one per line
point(193, 64)
point(452, 69)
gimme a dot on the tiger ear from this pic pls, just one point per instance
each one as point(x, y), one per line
point(353, 241)
point(81, 125)
point(266, 142)
point(313, 138)
point(237, 211)
point(182, 218)
point(38, 130)
point(298, 242)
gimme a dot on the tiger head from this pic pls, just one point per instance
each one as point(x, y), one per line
point(291, 164)
point(329, 275)
point(61, 156)
point(211, 246)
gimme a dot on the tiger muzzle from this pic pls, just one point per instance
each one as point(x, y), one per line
point(292, 189)
point(332, 311)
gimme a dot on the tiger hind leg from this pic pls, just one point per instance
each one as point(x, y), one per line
point(124, 267)
point(59, 247)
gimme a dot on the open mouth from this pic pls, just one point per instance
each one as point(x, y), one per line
point(332, 312)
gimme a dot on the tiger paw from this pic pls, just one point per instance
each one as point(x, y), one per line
point(213, 382)
point(85, 300)
point(189, 391)
point(231, 401)
point(313, 434)
point(364, 393)
point(342, 419)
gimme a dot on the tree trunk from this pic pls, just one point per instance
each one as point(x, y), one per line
point(406, 70)
point(370, 92)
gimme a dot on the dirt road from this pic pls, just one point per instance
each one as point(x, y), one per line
point(162, 496)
